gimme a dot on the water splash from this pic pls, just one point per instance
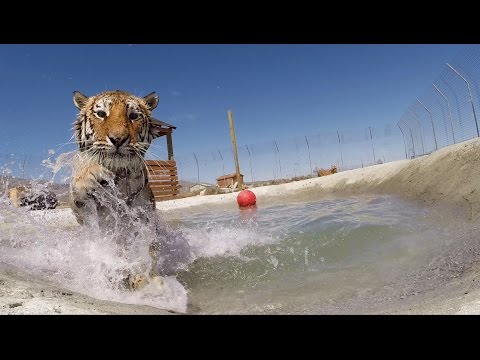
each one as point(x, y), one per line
point(51, 245)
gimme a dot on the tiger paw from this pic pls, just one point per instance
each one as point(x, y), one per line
point(137, 282)
point(89, 180)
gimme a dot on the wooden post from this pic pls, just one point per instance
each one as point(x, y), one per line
point(234, 146)
point(170, 146)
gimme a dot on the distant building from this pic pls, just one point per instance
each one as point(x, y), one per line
point(228, 180)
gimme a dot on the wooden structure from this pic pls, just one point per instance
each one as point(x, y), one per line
point(228, 180)
point(239, 176)
point(162, 174)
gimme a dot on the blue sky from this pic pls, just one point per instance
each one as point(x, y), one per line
point(275, 92)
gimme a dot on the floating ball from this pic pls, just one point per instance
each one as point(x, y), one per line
point(246, 198)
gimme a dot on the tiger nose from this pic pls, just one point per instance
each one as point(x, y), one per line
point(117, 141)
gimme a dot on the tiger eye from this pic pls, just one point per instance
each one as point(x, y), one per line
point(101, 113)
point(133, 116)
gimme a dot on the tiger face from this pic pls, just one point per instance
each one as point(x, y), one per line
point(114, 127)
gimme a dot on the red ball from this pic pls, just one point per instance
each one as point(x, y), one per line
point(246, 198)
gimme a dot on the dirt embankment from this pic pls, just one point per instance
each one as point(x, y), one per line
point(449, 176)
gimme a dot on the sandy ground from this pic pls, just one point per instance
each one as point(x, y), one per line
point(448, 178)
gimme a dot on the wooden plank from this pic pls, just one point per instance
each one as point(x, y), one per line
point(161, 162)
point(161, 188)
point(164, 193)
point(165, 198)
point(166, 186)
point(165, 166)
point(165, 182)
point(162, 172)
point(163, 179)
point(167, 177)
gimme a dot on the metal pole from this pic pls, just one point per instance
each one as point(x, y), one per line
point(373, 149)
point(431, 119)
point(250, 157)
point(469, 94)
point(23, 166)
point(420, 128)
point(449, 111)
point(404, 142)
point(340, 145)
point(279, 163)
point(223, 165)
point(411, 136)
point(198, 169)
point(413, 144)
point(234, 147)
point(309, 158)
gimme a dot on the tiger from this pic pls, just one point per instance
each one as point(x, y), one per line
point(109, 183)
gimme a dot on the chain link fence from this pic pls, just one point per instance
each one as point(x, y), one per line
point(294, 158)
point(447, 113)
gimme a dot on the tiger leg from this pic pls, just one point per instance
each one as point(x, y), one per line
point(88, 183)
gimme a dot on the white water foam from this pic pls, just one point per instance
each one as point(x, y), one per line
point(81, 259)
point(51, 245)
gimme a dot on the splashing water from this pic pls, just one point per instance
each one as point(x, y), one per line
point(51, 245)
point(290, 256)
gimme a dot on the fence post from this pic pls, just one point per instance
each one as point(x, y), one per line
point(373, 149)
point(449, 111)
point(431, 119)
point(340, 146)
point(413, 144)
point(223, 165)
point(469, 94)
point(251, 168)
point(404, 142)
point(420, 129)
point(198, 169)
point(309, 158)
point(23, 166)
point(279, 163)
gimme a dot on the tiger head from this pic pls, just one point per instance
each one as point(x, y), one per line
point(115, 127)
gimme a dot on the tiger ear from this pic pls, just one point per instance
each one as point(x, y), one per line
point(151, 100)
point(79, 100)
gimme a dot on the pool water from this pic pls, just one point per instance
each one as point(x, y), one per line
point(304, 255)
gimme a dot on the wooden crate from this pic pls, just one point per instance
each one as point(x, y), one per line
point(163, 179)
